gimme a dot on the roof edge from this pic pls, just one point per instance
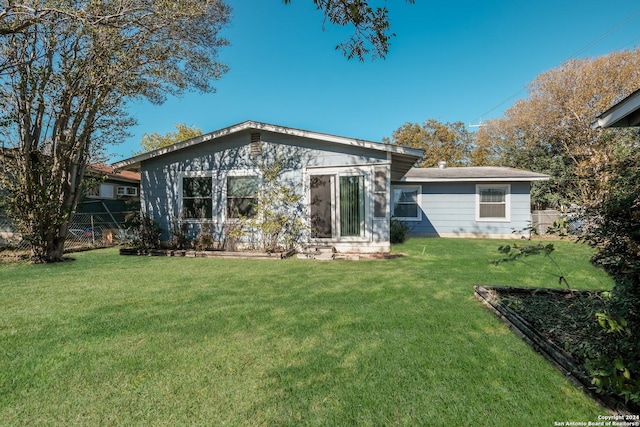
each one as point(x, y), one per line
point(477, 179)
point(250, 124)
point(617, 112)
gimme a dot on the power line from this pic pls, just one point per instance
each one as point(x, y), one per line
point(607, 33)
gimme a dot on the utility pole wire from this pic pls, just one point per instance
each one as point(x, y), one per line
point(574, 56)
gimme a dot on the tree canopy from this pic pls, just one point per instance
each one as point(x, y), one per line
point(67, 71)
point(551, 132)
point(449, 142)
point(154, 141)
point(371, 35)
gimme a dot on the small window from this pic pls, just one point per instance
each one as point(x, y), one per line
point(241, 196)
point(196, 198)
point(380, 193)
point(127, 191)
point(493, 202)
point(103, 191)
point(406, 204)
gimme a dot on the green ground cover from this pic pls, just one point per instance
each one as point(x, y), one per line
point(113, 340)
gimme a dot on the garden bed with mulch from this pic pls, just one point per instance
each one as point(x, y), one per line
point(206, 253)
point(556, 322)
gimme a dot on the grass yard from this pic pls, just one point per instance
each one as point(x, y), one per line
point(114, 340)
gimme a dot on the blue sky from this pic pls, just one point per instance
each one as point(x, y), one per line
point(455, 60)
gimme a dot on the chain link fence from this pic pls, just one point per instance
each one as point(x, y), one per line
point(86, 231)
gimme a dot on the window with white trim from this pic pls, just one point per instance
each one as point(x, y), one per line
point(493, 202)
point(340, 202)
point(380, 192)
point(406, 204)
point(197, 201)
point(242, 193)
point(103, 191)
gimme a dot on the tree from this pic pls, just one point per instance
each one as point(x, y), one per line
point(155, 141)
point(371, 26)
point(598, 171)
point(550, 131)
point(276, 221)
point(450, 142)
point(67, 71)
point(610, 223)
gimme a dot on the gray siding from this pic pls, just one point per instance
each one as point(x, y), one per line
point(162, 176)
point(449, 210)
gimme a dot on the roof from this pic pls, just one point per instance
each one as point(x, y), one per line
point(403, 158)
point(625, 113)
point(96, 169)
point(475, 173)
point(111, 173)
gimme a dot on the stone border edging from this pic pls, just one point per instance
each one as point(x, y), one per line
point(205, 254)
point(554, 354)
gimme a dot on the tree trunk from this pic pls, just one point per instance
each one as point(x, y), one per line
point(49, 246)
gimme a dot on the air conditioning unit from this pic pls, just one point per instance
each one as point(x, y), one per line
point(127, 191)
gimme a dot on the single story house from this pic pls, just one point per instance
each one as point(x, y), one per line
point(344, 183)
point(465, 201)
point(110, 196)
point(349, 188)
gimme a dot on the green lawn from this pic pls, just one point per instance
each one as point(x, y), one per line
point(114, 340)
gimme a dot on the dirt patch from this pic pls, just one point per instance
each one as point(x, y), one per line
point(376, 255)
point(555, 323)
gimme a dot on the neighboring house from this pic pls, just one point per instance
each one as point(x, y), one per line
point(344, 183)
point(465, 201)
point(110, 193)
point(109, 197)
point(8, 233)
point(625, 113)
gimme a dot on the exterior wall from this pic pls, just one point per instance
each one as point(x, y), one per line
point(161, 178)
point(110, 203)
point(450, 210)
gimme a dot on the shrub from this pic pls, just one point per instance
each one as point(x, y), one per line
point(398, 231)
point(144, 231)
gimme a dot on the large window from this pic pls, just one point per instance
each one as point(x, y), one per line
point(493, 202)
point(405, 203)
point(241, 196)
point(196, 197)
point(338, 204)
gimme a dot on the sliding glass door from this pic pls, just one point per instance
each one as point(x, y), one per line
point(337, 206)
